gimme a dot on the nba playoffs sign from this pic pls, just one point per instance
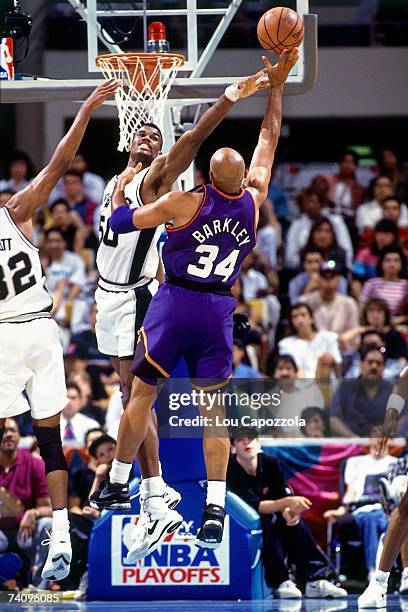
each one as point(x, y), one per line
point(178, 561)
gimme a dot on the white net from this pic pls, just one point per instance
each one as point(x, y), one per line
point(146, 82)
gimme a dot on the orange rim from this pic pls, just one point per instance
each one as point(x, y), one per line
point(147, 59)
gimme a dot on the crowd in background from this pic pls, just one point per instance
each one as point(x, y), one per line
point(322, 308)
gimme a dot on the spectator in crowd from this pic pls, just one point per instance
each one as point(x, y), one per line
point(392, 211)
point(316, 423)
point(241, 369)
point(299, 231)
point(21, 171)
point(70, 224)
point(74, 424)
point(391, 282)
point(377, 319)
point(82, 476)
point(365, 263)
point(391, 167)
point(25, 508)
point(103, 450)
point(295, 394)
point(254, 283)
point(94, 185)
point(358, 405)
point(80, 203)
point(370, 212)
point(67, 266)
point(322, 236)
point(266, 239)
point(88, 407)
point(332, 311)
point(321, 185)
point(308, 346)
point(361, 515)
point(308, 281)
point(371, 338)
point(345, 190)
point(5, 195)
point(258, 479)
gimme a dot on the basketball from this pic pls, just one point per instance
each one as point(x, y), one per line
point(280, 28)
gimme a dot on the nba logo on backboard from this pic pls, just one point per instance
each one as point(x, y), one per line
point(6, 59)
point(176, 562)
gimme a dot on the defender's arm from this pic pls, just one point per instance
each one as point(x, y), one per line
point(23, 204)
point(125, 220)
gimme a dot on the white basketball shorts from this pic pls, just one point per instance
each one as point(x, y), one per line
point(119, 317)
point(31, 359)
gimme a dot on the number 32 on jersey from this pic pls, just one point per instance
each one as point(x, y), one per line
point(207, 261)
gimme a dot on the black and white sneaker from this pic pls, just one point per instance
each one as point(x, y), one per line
point(212, 527)
point(111, 496)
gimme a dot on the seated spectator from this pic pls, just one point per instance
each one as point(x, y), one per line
point(25, 508)
point(308, 346)
point(266, 239)
point(81, 478)
point(21, 171)
point(390, 166)
point(295, 395)
point(94, 185)
point(392, 211)
point(345, 190)
point(391, 282)
point(377, 319)
point(67, 266)
point(254, 283)
point(359, 404)
point(80, 203)
point(70, 224)
point(371, 338)
point(308, 281)
point(370, 212)
point(316, 423)
point(332, 311)
point(299, 231)
point(361, 515)
point(323, 237)
point(258, 479)
point(88, 407)
point(74, 424)
point(365, 263)
point(240, 369)
point(103, 450)
point(5, 195)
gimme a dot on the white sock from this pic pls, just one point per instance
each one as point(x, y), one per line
point(120, 472)
point(405, 571)
point(381, 577)
point(152, 486)
point(60, 520)
point(216, 492)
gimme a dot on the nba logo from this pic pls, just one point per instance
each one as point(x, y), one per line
point(6, 59)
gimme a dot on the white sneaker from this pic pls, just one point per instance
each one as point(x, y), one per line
point(320, 589)
point(171, 497)
point(156, 522)
point(375, 595)
point(59, 556)
point(404, 582)
point(287, 590)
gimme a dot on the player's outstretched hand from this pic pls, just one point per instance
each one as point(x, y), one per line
point(101, 93)
point(129, 173)
point(279, 72)
point(252, 84)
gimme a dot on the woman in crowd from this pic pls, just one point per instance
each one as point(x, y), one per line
point(323, 237)
point(370, 212)
point(391, 283)
point(21, 171)
point(386, 233)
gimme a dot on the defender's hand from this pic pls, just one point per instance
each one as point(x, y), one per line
point(279, 72)
point(129, 174)
point(252, 84)
point(101, 93)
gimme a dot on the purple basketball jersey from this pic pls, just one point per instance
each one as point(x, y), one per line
point(213, 245)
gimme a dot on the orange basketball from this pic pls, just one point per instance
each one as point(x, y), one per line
point(280, 28)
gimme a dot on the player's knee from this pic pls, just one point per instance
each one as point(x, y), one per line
point(49, 443)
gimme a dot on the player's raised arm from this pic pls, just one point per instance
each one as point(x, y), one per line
point(183, 152)
point(395, 405)
point(259, 173)
point(23, 204)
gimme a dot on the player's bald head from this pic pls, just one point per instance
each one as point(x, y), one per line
point(227, 169)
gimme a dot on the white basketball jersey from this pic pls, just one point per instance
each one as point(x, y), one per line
point(126, 261)
point(22, 290)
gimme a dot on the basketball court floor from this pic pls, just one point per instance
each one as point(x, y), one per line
point(268, 605)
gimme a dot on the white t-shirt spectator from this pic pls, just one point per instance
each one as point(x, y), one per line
point(369, 213)
point(307, 352)
point(267, 244)
point(361, 474)
point(298, 235)
point(10, 185)
point(71, 268)
point(252, 282)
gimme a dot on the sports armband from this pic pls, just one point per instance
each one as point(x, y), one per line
point(121, 220)
point(395, 401)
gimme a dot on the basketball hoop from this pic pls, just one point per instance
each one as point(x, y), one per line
point(146, 80)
